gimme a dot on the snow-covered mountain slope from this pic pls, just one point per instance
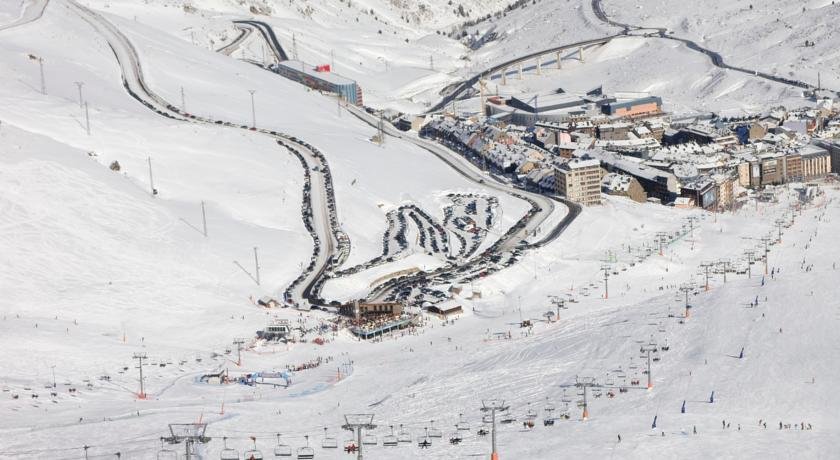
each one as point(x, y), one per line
point(95, 270)
point(768, 36)
point(403, 64)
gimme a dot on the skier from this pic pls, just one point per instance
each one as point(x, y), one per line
point(619, 437)
point(695, 429)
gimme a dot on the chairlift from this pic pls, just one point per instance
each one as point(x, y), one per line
point(390, 440)
point(226, 454)
point(403, 436)
point(507, 418)
point(350, 447)
point(425, 441)
point(462, 424)
point(433, 432)
point(329, 442)
point(565, 398)
point(253, 454)
point(370, 440)
point(483, 430)
point(306, 452)
point(282, 450)
point(487, 418)
point(455, 438)
point(169, 454)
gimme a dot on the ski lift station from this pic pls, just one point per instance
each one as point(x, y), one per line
point(277, 329)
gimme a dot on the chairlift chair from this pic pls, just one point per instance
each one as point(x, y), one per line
point(507, 418)
point(226, 454)
point(462, 424)
point(169, 454)
point(282, 450)
point(403, 436)
point(329, 442)
point(370, 440)
point(455, 438)
point(306, 452)
point(425, 441)
point(433, 432)
point(350, 447)
point(390, 440)
point(483, 430)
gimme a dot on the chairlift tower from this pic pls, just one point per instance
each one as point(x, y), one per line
point(357, 423)
point(725, 263)
point(559, 303)
point(647, 350)
point(766, 240)
point(605, 267)
point(706, 267)
point(750, 257)
point(661, 238)
point(493, 406)
point(686, 289)
point(140, 357)
point(188, 433)
point(586, 383)
point(779, 224)
point(239, 342)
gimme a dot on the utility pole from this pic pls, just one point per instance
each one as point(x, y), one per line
point(86, 447)
point(238, 342)
point(606, 268)
point(257, 265)
point(357, 423)
point(431, 62)
point(204, 219)
point(79, 85)
point(493, 406)
point(152, 179)
point(53, 374)
point(253, 111)
point(294, 47)
point(140, 357)
point(87, 118)
point(183, 101)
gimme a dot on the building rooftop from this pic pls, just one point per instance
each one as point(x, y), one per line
point(309, 70)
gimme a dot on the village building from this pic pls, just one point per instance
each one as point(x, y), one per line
point(579, 180)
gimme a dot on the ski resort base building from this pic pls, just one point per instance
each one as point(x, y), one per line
point(320, 78)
